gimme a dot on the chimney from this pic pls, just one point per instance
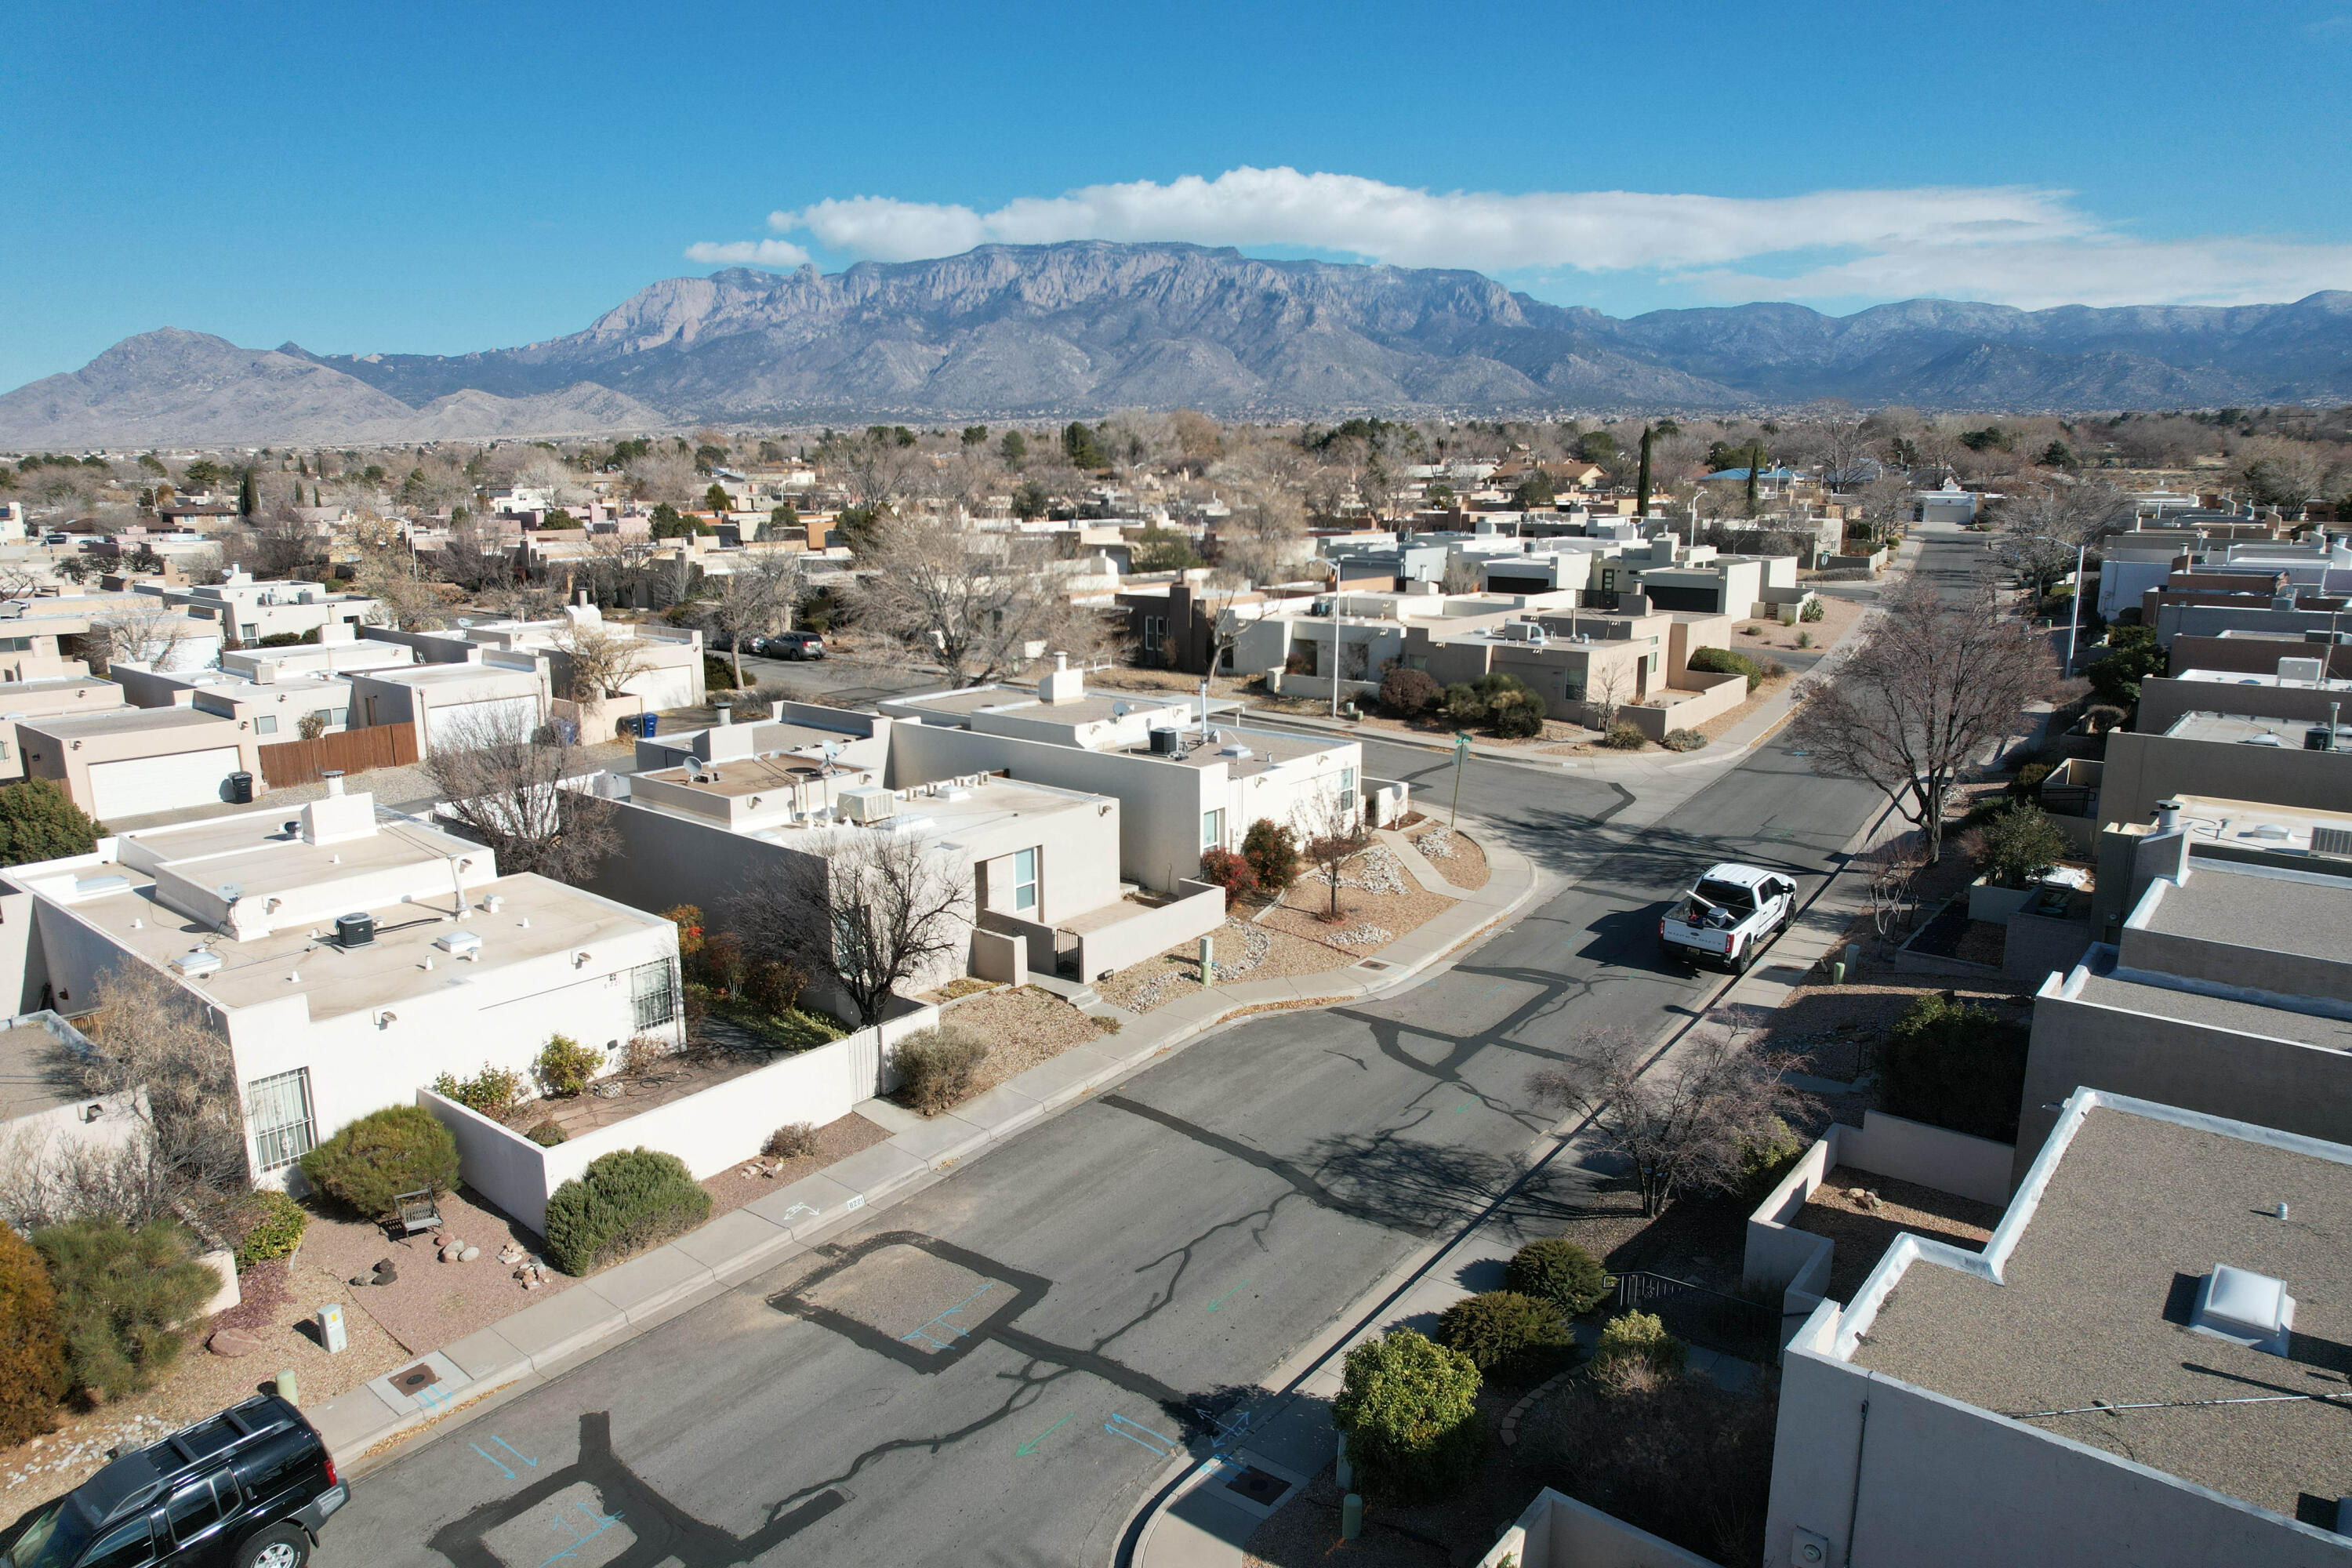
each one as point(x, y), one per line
point(1063, 684)
point(2167, 815)
point(726, 714)
point(335, 781)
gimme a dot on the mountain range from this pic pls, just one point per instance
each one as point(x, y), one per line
point(1089, 326)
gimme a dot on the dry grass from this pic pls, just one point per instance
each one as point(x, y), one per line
point(1455, 855)
point(1023, 1027)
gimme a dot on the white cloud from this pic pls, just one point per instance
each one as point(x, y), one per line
point(2011, 244)
point(736, 253)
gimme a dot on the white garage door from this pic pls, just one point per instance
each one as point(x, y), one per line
point(461, 723)
point(141, 785)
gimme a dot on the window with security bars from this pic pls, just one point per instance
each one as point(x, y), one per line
point(279, 1108)
point(654, 990)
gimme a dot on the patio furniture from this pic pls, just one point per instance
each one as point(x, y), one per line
point(418, 1211)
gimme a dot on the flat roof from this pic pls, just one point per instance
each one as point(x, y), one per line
point(2243, 678)
point(1268, 749)
point(2241, 729)
point(2092, 1308)
point(2300, 912)
point(444, 674)
point(2102, 987)
point(32, 1077)
point(120, 721)
point(2255, 824)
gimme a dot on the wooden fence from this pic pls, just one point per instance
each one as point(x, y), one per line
point(350, 751)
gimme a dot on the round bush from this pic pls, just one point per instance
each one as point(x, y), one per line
point(119, 1294)
point(1498, 1328)
point(1272, 851)
point(1683, 740)
point(1640, 1335)
point(774, 987)
point(1410, 1410)
point(32, 1346)
point(1767, 1157)
point(793, 1141)
point(1728, 662)
point(623, 1203)
point(1517, 720)
point(1229, 872)
point(1557, 1271)
point(1407, 692)
point(492, 1092)
point(565, 1066)
point(936, 1067)
point(1625, 736)
point(547, 1133)
point(368, 1162)
point(270, 1224)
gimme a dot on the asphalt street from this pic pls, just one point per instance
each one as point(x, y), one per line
point(995, 1370)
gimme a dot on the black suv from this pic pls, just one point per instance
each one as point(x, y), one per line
point(248, 1487)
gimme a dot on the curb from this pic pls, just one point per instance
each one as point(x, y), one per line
point(731, 1248)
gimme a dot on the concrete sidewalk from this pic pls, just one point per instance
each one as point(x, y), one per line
point(1196, 1519)
point(541, 1340)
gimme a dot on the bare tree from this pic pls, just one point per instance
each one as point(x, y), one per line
point(148, 632)
point(1336, 834)
point(870, 909)
point(159, 1045)
point(1930, 685)
point(755, 598)
point(934, 589)
point(503, 785)
point(598, 661)
point(1606, 690)
point(388, 573)
point(1893, 868)
point(1678, 1123)
point(277, 545)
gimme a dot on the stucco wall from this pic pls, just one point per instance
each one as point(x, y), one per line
point(2143, 769)
point(1199, 912)
point(1558, 1532)
point(2163, 700)
point(1946, 1486)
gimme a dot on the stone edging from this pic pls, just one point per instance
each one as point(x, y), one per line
point(1510, 1429)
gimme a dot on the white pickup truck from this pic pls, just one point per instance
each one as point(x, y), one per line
point(1729, 916)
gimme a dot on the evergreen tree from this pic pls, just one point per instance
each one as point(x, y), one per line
point(248, 499)
point(1642, 483)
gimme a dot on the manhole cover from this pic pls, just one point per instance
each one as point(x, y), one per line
point(1257, 1486)
point(414, 1378)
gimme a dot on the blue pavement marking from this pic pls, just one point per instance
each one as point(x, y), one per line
point(1142, 1437)
point(518, 1453)
point(493, 1459)
point(577, 1540)
point(939, 1334)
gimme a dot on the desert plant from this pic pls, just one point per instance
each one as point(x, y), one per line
point(1557, 1271)
point(119, 1294)
point(1815, 610)
point(1642, 1336)
point(2020, 844)
point(936, 1068)
point(774, 986)
point(368, 1162)
point(1228, 870)
point(1683, 740)
point(1409, 692)
point(643, 1054)
point(1766, 1156)
point(1464, 706)
point(1409, 1411)
point(625, 1202)
point(547, 1133)
point(1271, 850)
point(1804, 639)
point(310, 726)
point(493, 1092)
point(1625, 736)
point(793, 1141)
point(1513, 707)
point(565, 1066)
point(1955, 1065)
point(1500, 1326)
point(32, 1345)
point(268, 1224)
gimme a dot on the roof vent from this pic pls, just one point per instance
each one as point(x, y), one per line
point(2245, 1308)
point(196, 965)
point(1235, 750)
point(463, 943)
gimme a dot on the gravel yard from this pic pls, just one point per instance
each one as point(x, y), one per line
point(1863, 1229)
point(430, 1303)
point(1456, 856)
point(1023, 1027)
point(733, 1188)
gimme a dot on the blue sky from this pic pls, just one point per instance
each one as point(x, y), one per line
point(437, 178)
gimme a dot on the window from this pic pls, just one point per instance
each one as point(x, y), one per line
point(1346, 783)
point(339, 716)
point(248, 631)
point(265, 724)
point(279, 1108)
point(653, 991)
point(1213, 829)
point(15, 644)
point(1155, 632)
point(193, 1510)
point(277, 1465)
point(1024, 879)
point(127, 1547)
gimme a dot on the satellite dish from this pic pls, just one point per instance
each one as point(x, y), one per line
point(230, 891)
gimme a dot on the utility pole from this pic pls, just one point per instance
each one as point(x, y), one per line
point(1460, 750)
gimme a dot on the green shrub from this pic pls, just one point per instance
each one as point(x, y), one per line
point(1683, 740)
point(1557, 1271)
point(2020, 844)
point(1804, 639)
point(1955, 1065)
point(1730, 661)
point(1271, 850)
point(1625, 736)
point(269, 1224)
point(1632, 1336)
point(2116, 675)
point(38, 821)
point(492, 1092)
point(936, 1068)
point(774, 987)
point(794, 1141)
point(565, 1066)
point(368, 1162)
point(1229, 872)
point(118, 1292)
point(1815, 610)
point(547, 1133)
point(1499, 1327)
point(32, 1346)
point(2028, 779)
point(1464, 706)
point(1407, 692)
point(623, 1203)
point(1510, 705)
point(1409, 1411)
point(718, 675)
point(1766, 1158)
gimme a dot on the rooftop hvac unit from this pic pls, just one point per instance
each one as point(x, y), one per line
point(2320, 738)
point(1165, 742)
point(355, 931)
point(2332, 841)
point(2300, 669)
point(868, 803)
point(197, 964)
point(462, 943)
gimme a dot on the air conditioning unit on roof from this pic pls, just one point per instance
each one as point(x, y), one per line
point(869, 804)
